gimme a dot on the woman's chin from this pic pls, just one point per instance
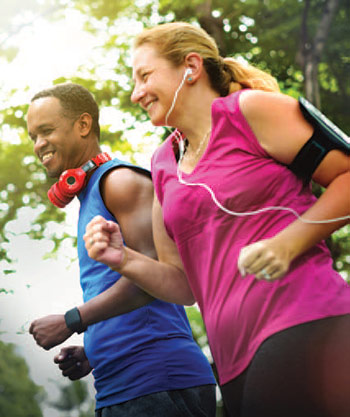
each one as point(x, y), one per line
point(157, 121)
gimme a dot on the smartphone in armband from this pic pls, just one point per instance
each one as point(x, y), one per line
point(326, 137)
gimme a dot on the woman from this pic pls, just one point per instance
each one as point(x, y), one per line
point(226, 231)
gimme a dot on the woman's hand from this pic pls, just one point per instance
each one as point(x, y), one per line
point(264, 259)
point(104, 242)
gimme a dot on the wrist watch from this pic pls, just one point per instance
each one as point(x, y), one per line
point(73, 320)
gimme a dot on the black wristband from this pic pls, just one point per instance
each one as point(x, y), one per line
point(73, 320)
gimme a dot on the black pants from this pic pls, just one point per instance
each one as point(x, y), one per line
point(303, 371)
point(190, 402)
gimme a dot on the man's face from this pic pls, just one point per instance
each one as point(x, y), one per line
point(56, 139)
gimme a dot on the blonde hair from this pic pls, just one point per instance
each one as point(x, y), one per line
point(174, 41)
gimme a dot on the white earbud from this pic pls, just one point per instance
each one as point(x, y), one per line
point(187, 72)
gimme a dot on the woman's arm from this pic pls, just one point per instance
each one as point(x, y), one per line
point(281, 130)
point(164, 279)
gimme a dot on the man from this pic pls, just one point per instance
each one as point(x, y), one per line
point(140, 349)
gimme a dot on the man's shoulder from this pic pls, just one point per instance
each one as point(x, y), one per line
point(123, 186)
point(127, 176)
point(116, 163)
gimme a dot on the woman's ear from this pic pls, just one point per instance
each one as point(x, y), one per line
point(194, 63)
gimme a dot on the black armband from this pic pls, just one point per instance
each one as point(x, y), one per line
point(326, 137)
point(73, 320)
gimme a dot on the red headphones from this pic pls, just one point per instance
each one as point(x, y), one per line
point(72, 181)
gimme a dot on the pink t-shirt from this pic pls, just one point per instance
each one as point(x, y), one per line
point(240, 314)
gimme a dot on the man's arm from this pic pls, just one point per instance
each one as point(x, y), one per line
point(128, 195)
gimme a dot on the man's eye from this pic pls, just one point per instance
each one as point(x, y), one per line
point(47, 131)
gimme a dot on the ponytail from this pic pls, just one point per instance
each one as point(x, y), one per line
point(174, 41)
point(228, 75)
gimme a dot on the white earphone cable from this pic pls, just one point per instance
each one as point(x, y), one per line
point(211, 192)
point(188, 71)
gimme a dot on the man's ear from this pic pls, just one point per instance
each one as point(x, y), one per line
point(84, 124)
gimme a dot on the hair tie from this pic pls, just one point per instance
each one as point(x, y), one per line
point(222, 63)
point(227, 68)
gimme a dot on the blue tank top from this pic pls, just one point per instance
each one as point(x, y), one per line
point(148, 350)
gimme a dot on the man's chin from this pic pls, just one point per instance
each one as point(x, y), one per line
point(53, 174)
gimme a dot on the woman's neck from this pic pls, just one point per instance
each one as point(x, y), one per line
point(194, 120)
point(196, 128)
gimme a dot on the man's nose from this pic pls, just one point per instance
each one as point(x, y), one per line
point(40, 143)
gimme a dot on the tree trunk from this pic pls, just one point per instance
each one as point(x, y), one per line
point(211, 24)
point(310, 50)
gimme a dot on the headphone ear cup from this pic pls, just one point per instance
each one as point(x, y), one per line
point(71, 182)
point(68, 186)
point(57, 198)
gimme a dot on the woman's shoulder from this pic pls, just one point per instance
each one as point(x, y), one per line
point(277, 122)
point(258, 103)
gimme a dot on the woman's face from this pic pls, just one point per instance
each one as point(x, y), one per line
point(156, 81)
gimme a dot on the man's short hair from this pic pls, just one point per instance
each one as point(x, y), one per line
point(75, 100)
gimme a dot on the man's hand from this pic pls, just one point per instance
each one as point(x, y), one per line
point(73, 362)
point(104, 242)
point(50, 331)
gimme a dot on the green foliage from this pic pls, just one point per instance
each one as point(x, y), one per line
point(9, 53)
point(101, 8)
point(197, 326)
point(23, 183)
point(340, 248)
point(267, 34)
point(10, 10)
point(19, 396)
point(11, 25)
point(335, 72)
point(74, 397)
point(338, 243)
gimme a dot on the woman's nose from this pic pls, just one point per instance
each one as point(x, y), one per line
point(137, 94)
